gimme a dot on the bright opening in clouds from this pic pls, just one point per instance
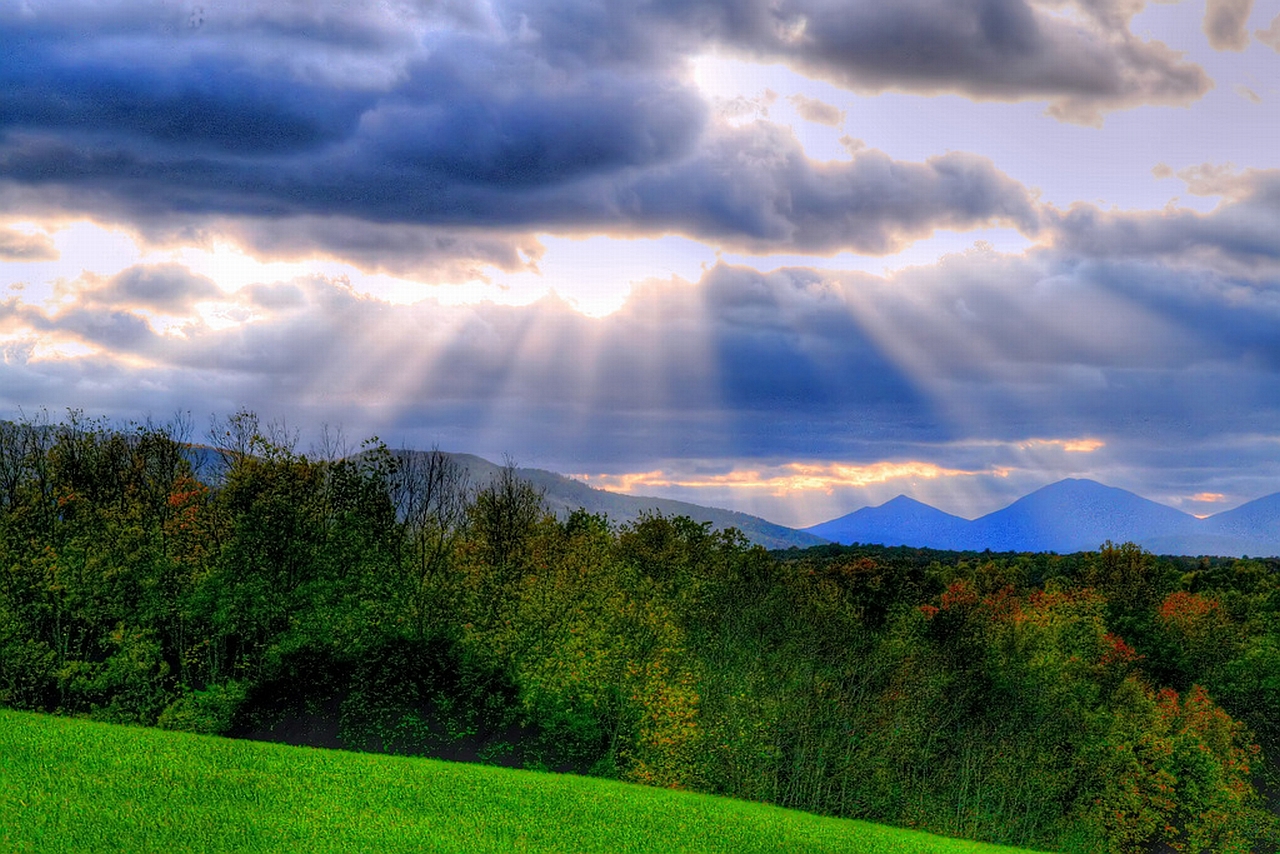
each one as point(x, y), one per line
point(788, 257)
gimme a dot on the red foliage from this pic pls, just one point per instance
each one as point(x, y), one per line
point(186, 491)
point(1182, 607)
point(959, 595)
point(1200, 623)
point(1004, 604)
point(1116, 651)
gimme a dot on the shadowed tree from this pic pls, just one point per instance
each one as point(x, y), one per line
point(430, 492)
point(503, 517)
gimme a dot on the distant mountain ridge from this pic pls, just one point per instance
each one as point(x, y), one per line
point(563, 495)
point(1068, 516)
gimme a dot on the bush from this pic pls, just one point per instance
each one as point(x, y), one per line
point(209, 711)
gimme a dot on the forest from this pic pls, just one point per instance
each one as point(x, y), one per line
point(374, 599)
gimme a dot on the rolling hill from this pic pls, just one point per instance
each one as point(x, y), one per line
point(70, 785)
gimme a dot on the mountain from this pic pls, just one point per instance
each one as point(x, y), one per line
point(1252, 528)
point(1067, 516)
point(898, 522)
point(563, 495)
point(1076, 515)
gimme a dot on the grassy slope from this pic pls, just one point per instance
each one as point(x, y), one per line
point(71, 785)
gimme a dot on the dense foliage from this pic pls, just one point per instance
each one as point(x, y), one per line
point(1110, 701)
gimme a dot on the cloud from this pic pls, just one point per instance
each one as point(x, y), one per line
point(1071, 446)
point(782, 479)
point(465, 133)
point(750, 187)
point(108, 333)
point(1238, 236)
point(741, 107)
point(793, 364)
point(678, 366)
point(274, 297)
point(1248, 94)
point(165, 288)
point(1271, 35)
point(813, 110)
point(797, 379)
point(1226, 23)
point(396, 135)
point(19, 246)
point(1210, 179)
point(753, 187)
point(425, 253)
point(1084, 64)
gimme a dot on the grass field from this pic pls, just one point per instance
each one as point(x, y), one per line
point(72, 785)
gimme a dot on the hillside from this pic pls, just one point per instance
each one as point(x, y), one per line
point(68, 785)
point(564, 495)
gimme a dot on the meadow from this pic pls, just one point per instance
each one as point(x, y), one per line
point(75, 785)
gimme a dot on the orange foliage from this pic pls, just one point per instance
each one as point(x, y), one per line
point(959, 595)
point(1116, 651)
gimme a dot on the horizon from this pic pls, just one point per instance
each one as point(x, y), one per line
point(1038, 489)
point(778, 258)
point(1016, 499)
point(585, 482)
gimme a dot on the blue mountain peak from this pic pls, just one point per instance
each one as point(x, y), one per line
point(1075, 514)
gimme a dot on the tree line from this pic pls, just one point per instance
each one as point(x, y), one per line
point(374, 599)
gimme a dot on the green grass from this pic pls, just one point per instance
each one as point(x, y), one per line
point(74, 785)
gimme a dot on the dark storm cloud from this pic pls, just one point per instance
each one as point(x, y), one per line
point(467, 126)
point(560, 116)
point(100, 73)
point(750, 187)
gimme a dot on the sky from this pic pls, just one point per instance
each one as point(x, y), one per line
point(790, 257)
